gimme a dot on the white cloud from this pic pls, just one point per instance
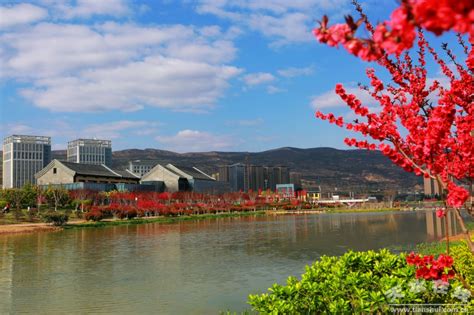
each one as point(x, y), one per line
point(282, 21)
point(157, 81)
point(197, 141)
point(20, 14)
point(330, 99)
point(111, 66)
point(64, 130)
point(18, 129)
point(271, 89)
point(68, 9)
point(288, 28)
point(258, 78)
point(112, 130)
point(295, 72)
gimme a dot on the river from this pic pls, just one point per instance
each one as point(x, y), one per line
point(194, 267)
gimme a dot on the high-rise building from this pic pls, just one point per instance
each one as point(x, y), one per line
point(224, 173)
point(23, 157)
point(90, 151)
point(276, 175)
point(255, 177)
point(295, 178)
point(237, 176)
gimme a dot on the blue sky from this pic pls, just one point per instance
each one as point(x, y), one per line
point(185, 76)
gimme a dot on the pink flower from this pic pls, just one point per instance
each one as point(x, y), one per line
point(440, 213)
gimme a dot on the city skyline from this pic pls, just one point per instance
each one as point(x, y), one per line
point(185, 77)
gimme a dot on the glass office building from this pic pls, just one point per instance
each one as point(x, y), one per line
point(23, 157)
point(90, 151)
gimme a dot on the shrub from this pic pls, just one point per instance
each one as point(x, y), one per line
point(463, 262)
point(360, 282)
point(57, 218)
point(94, 215)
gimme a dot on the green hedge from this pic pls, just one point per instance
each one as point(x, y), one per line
point(361, 282)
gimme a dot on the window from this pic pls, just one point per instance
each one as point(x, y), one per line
point(55, 170)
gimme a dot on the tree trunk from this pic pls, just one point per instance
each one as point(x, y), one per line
point(464, 230)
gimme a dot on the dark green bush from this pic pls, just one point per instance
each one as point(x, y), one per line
point(360, 282)
point(57, 218)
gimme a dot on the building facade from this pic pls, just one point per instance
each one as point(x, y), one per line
point(242, 177)
point(184, 178)
point(23, 157)
point(431, 187)
point(276, 175)
point(237, 177)
point(90, 151)
point(223, 173)
point(141, 167)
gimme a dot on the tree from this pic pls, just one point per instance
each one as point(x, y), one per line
point(423, 126)
point(14, 196)
point(57, 196)
point(29, 195)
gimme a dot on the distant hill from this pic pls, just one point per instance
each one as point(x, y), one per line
point(353, 170)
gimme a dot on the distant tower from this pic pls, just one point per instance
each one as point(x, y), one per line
point(90, 151)
point(23, 157)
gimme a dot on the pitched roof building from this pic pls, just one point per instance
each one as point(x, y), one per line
point(61, 172)
point(184, 178)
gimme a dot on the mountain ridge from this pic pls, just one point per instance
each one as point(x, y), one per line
point(354, 170)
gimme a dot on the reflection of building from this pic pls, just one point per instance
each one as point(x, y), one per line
point(141, 167)
point(90, 151)
point(436, 227)
point(23, 156)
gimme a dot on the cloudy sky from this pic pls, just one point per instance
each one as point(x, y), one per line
point(241, 75)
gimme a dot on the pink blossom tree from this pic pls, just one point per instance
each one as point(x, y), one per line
point(423, 126)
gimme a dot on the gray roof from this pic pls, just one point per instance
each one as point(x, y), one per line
point(97, 170)
point(126, 174)
point(193, 172)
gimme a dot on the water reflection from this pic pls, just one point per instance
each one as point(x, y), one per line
point(195, 267)
point(436, 227)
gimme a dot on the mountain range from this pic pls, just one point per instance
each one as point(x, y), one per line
point(350, 170)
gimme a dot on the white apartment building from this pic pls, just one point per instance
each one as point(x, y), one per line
point(90, 151)
point(23, 157)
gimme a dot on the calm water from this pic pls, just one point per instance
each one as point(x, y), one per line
point(199, 267)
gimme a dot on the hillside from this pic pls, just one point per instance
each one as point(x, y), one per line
point(346, 169)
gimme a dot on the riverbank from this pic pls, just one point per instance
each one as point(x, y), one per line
point(79, 223)
point(27, 228)
point(45, 227)
point(197, 217)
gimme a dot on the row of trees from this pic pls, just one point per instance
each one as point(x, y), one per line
point(31, 196)
point(132, 204)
